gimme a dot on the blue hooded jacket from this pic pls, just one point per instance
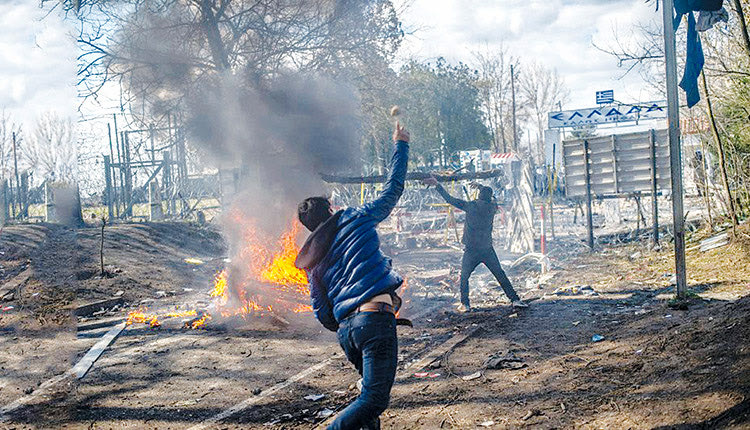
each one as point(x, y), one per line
point(342, 257)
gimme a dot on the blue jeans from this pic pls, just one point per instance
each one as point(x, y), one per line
point(471, 259)
point(370, 343)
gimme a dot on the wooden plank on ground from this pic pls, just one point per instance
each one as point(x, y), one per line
point(98, 323)
point(78, 371)
point(83, 366)
point(89, 309)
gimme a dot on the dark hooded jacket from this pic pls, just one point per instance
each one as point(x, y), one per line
point(342, 257)
point(480, 215)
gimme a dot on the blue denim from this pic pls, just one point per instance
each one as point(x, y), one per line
point(370, 343)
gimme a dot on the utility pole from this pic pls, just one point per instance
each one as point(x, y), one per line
point(675, 155)
point(513, 96)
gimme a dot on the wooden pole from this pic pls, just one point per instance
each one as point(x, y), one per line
point(675, 151)
point(587, 176)
point(654, 189)
point(108, 188)
point(722, 156)
point(101, 247)
point(513, 97)
point(18, 179)
point(128, 176)
point(24, 195)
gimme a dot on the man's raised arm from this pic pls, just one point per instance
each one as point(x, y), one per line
point(381, 207)
point(461, 204)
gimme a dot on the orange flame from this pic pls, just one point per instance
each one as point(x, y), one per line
point(282, 271)
point(201, 322)
point(266, 272)
point(140, 316)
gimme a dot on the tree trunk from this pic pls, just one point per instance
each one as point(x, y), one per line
point(722, 157)
point(706, 189)
point(213, 35)
point(743, 25)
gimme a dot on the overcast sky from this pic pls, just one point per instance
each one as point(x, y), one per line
point(37, 57)
point(556, 33)
point(37, 62)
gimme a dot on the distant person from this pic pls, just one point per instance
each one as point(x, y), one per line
point(353, 288)
point(477, 240)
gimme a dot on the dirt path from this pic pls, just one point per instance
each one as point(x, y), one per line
point(655, 367)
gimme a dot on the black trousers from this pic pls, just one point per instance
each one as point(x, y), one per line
point(470, 261)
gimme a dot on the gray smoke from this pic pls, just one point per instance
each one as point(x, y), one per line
point(282, 137)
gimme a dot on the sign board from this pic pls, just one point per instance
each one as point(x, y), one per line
point(479, 158)
point(605, 97)
point(618, 164)
point(607, 115)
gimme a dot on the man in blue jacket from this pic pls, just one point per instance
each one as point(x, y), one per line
point(353, 288)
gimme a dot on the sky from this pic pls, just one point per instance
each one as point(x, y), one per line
point(38, 56)
point(556, 33)
point(37, 62)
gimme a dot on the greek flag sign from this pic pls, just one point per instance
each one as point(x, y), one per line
point(605, 97)
point(608, 115)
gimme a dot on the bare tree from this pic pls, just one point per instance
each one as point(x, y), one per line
point(161, 51)
point(7, 129)
point(494, 88)
point(52, 149)
point(541, 89)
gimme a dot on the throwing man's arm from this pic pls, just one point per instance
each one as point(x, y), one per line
point(461, 204)
point(381, 207)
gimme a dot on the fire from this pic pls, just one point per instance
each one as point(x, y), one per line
point(405, 295)
point(177, 314)
point(140, 316)
point(302, 308)
point(281, 271)
point(198, 323)
point(220, 286)
point(266, 282)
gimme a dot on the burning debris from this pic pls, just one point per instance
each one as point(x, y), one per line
point(264, 284)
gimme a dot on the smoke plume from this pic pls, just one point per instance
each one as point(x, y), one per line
point(281, 137)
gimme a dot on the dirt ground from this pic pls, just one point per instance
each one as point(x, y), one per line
point(655, 367)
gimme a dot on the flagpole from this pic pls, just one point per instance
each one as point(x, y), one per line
point(675, 156)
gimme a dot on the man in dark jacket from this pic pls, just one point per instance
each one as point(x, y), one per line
point(477, 240)
point(353, 287)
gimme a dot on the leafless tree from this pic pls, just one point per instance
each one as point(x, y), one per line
point(7, 128)
point(52, 149)
point(494, 86)
point(161, 51)
point(541, 89)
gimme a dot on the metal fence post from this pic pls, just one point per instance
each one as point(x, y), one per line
point(587, 175)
